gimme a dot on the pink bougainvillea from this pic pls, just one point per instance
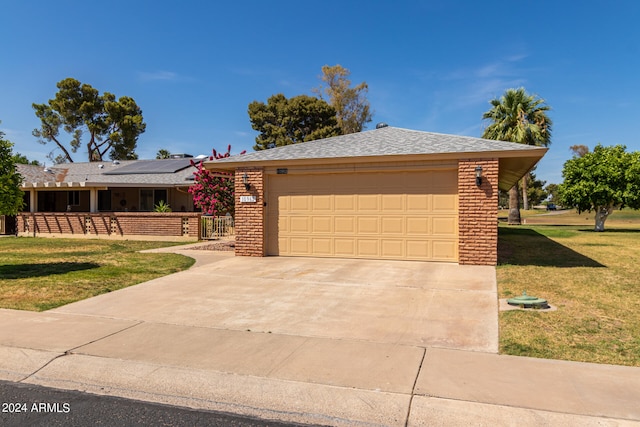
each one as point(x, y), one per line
point(213, 192)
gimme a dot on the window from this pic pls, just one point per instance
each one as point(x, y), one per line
point(104, 200)
point(73, 198)
point(149, 198)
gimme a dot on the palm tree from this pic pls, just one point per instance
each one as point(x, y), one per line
point(522, 118)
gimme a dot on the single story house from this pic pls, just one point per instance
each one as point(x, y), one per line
point(126, 186)
point(388, 193)
point(109, 198)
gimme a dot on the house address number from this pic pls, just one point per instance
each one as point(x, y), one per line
point(247, 199)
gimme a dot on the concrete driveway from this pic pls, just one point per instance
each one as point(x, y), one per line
point(392, 302)
point(322, 341)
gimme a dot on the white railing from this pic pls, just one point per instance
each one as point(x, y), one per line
point(214, 228)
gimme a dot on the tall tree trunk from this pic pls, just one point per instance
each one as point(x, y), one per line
point(525, 195)
point(514, 206)
point(602, 212)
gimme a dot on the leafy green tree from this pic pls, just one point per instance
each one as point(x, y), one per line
point(22, 159)
point(518, 117)
point(535, 189)
point(552, 192)
point(11, 196)
point(163, 154)
point(536, 192)
point(112, 126)
point(352, 107)
point(283, 121)
point(601, 181)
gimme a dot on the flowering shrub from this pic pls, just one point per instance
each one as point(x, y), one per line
point(213, 192)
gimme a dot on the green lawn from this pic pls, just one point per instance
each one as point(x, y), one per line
point(592, 278)
point(39, 273)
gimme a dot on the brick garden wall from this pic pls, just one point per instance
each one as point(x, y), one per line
point(111, 224)
point(478, 213)
point(250, 217)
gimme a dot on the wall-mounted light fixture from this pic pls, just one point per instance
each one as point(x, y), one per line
point(245, 181)
point(478, 175)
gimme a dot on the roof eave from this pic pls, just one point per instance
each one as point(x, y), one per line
point(533, 154)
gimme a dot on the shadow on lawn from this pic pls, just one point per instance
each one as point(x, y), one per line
point(24, 271)
point(612, 230)
point(522, 246)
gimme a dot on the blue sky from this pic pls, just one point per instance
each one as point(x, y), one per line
point(194, 66)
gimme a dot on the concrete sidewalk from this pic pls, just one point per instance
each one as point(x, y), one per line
point(261, 346)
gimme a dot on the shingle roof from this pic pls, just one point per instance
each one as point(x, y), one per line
point(386, 141)
point(91, 174)
point(394, 144)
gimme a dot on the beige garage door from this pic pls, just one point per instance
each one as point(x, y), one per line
point(378, 215)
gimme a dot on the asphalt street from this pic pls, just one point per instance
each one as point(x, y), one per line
point(32, 405)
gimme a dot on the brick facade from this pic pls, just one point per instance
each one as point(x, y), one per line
point(175, 226)
point(250, 216)
point(478, 213)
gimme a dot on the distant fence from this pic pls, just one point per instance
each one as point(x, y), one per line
point(214, 228)
point(3, 225)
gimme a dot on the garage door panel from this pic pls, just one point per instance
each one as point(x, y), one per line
point(368, 202)
point(399, 215)
point(445, 203)
point(283, 203)
point(282, 245)
point(418, 226)
point(392, 225)
point(418, 203)
point(300, 245)
point(283, 225)
point(345, 247)
point(367, 248)
point(392, 248)
point(300, 224)
point(321, 203)
point(321, 247)
point(445, 226)
point(300, 203)
point(344, 224)
point(444, 250)
point(393, 203)
point(418, 249)
point(321, 224)
point(346, 202)
point(368, 225)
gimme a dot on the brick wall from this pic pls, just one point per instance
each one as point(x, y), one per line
point(250, 217)
point(478, 213)
point(112, 224)
point(51, 223)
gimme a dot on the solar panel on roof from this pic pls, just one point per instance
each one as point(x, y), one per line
point(151, 167)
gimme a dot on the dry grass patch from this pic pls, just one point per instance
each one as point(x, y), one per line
point(593, 280)
point(39, 274)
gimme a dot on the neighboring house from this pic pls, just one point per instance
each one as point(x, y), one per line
point(109, 198)
point(388, 193)
point(125, 186)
